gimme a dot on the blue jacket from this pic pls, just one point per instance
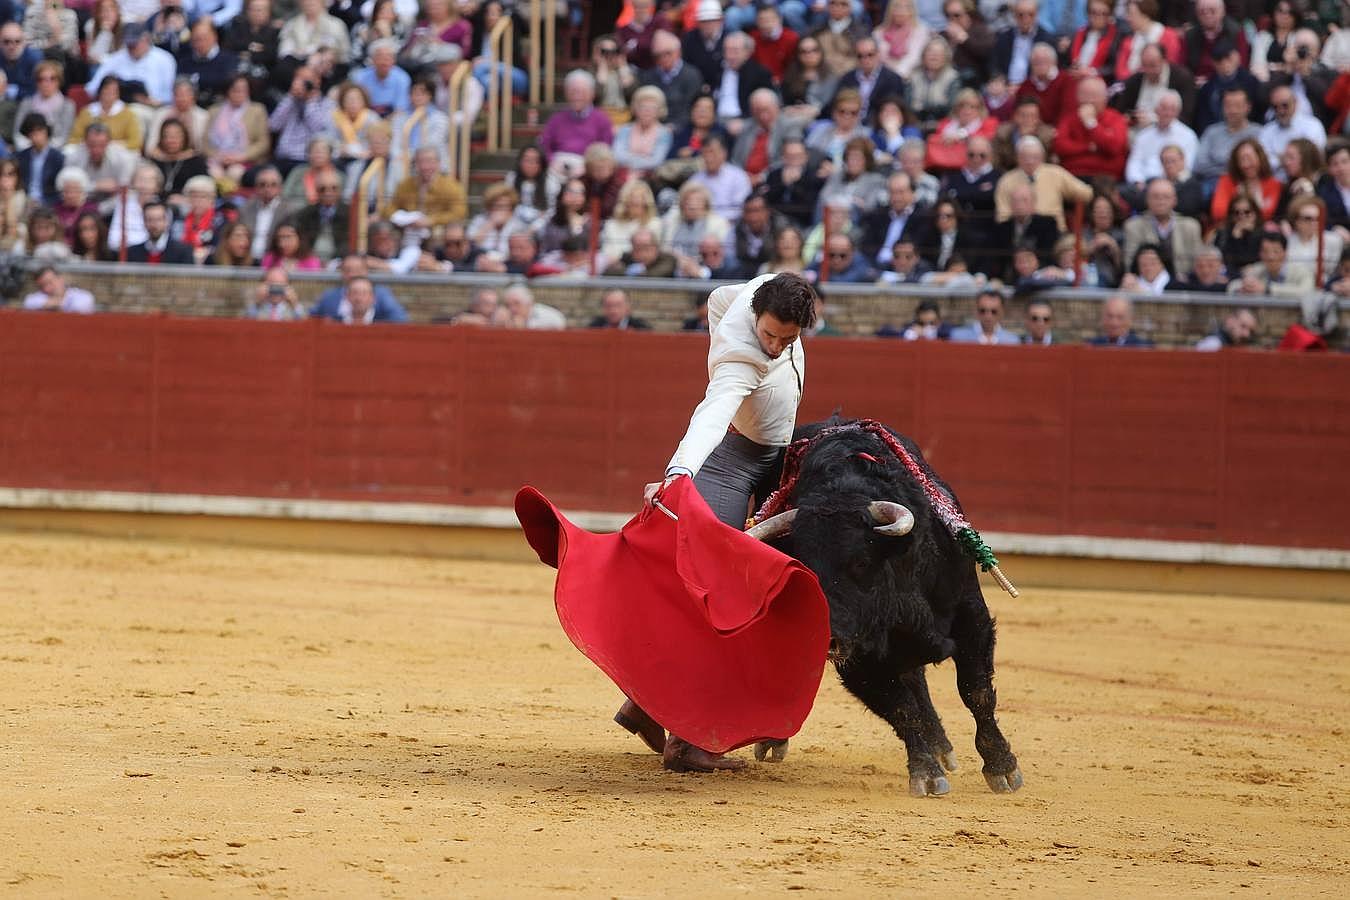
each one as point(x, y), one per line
point(387, 309)
point(970, 334)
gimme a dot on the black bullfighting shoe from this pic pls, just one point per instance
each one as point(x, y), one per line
point(635, 720)
point(682, 756)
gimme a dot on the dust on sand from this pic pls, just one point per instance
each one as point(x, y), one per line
point(189, 719)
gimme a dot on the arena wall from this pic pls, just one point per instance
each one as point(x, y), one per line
point(1231, 448)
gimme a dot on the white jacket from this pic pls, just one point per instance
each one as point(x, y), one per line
point(746, 388)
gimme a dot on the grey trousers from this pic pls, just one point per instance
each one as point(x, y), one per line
point(738, 470)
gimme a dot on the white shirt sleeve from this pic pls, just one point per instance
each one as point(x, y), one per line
point(731, 382)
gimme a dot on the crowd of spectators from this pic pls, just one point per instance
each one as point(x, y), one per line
point(1139, 145)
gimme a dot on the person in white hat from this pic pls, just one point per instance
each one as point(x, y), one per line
point(703, 45)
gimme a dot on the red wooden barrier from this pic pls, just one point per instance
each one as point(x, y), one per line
point(1229, 447)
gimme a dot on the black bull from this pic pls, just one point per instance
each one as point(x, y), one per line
point(902, 594)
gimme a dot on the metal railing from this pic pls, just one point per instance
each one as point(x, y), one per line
point(460, 134)
point(543, 50)
point(361, 203)
point(501, 58)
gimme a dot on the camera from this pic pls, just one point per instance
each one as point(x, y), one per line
point(276, 290)
point(1303, 52)
point(310, 86)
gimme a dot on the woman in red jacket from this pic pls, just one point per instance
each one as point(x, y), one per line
point(1142, 16)
point(1249, 172)
point(970, 118)
point(1094, 46)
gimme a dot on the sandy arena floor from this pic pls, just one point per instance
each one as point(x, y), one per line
point(184, 720)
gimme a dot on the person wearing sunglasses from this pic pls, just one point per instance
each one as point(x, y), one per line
point(1307, 221)
point(1038, 320)
point(1287, 123)
point(987, 328)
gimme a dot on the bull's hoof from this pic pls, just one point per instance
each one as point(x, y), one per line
point(1004, 784)
point(772, 751)
point(948, 760)
point(928, 785)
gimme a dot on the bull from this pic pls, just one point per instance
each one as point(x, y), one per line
point(902, 594)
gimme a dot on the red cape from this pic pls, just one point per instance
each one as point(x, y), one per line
point(718, 636)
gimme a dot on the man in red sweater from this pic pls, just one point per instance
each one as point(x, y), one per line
point(1093, 139)
point(775, 44)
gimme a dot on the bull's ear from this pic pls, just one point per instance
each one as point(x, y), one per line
point(893, 519)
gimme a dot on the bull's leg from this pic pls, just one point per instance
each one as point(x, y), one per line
point(973, 631)
point(875, 681)
point(933, 731)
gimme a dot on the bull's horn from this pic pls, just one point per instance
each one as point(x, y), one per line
point(774, 526)
point(894, 519)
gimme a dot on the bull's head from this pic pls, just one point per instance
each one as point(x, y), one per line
point(848, 548)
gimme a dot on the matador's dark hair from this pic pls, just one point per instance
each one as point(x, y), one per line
point(790, 298)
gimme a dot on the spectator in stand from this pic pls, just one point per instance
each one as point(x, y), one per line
point(900, 219)
point(1038, 320)
point(752, 238)
point(274, 300)
point(183, 109)
point(128, 222)
point(324, 224)
point(616, 311)
point(349, 302)
point(1177, 238)
point(972, 188)
point(389, 251)
point(603, 178)
point(427, 198)
point(1117, 328)
point(236, 135)
point(484, 310)
point(1229, 76)
point(73, 186)
point(523, 312)
point(872, 81)
point(635, 210)
point(147, 72)
point(970, 118)
point(303, 115)
point(571, 218)
point(18, 61)
point(288, 250)
point(1304, 229)
point(792, 186)
point(1310, 83)
point(1145, 30)
point(913, 161)
point(1138, 100)
point(441, 24)
point(1093, 139)
point(711, 264)
point(457, 253)
point(1208, 276)
point(124, 126)
point(166, 26)
point(53, 294)
point(299, 185)
point(1273, 276)
point(829, 137)
point(907, 267)
point(52, 29)
point(970, 39)
point(1239, 237)
point(255, 40)
point(235, 247)
point(1149, 274)
point(1190, 191)
point(489, 230)
point(1024, 226)
point(947, 237)
point(55, 108)
point(775, 44)
point(570, 131)
point(39, 162)
point(1287, 123)
point(1012, 47)
point(1212, 25)
point(44, 242)
point(807, 83)
point(422, 125)
point(1302, 163)
point(727, 184)
point(678, 81)
point(703, 43)
point(761, 140)
point(103, 31)
point(317, 39)
point(385, 83)
point(158, 247)
point(1215, 150)
point(690, 219)
point(265, 209)
point(177, 159)
point(927, 324)
point(1334, 189)
point(1145, 159)
point(353, 121)
point(13, 206)
point(1101, 240)
point(933, 86)
point(839, 36)
point(846, 265)
point(1093, 48)
point(643, 144)
point(202, 219)
point(901, 37)
point(857, 179)
point(1047, 83)
point(787, 253)
point(739, 77)
point(206, 65)
point(1268, 45)
point(635, 38)
point(1248, 173)
point(107, 165)
point(644, 258)
point(1026, 122)
point(1238, 330)
point(448, 61)
point(522, 252)
point(1051, 185)
point(988, 325)
point(90, 243)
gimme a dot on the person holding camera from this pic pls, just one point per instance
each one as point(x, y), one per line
point(302, 115)
point(274, 300)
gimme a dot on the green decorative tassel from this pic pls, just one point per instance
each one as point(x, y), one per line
point(974, 546)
